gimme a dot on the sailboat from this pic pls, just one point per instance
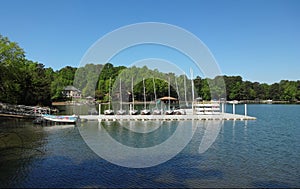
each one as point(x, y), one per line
point(109, 111)
point(121, 111)
point(178, 111)
point(132, 111)
point(156, 111)
point(145, 111)
point(193, 93)
point(169, 111)
point(185, 96)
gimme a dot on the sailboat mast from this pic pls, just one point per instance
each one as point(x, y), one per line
point(185, 97)
point(109, 93)
point(154, 93)
point(144, 93)
point(193, 93)
point(177, 88)
point(169, 95)
point(132, 93)
point(120, 94)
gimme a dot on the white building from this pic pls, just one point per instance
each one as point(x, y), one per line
point(71, 92)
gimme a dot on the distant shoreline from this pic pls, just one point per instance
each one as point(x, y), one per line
point(64, 103)
point(266, 102)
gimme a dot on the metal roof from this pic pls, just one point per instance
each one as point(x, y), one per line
point(71, 88)
point(167, 98)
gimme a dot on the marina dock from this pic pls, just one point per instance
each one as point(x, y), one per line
point(200, 111)
point(221, 116)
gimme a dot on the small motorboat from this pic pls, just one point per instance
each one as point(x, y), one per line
point(60, 119)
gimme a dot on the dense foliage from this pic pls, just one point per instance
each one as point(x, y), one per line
point(26, 82)
point(22, 81)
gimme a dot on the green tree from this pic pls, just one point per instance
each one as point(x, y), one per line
point(289, 90)
point(12, 59)
point(22, 81)
point(298, 90)
point(61, 79)
point(275, 91)
point(233, 87)
point(36, 84)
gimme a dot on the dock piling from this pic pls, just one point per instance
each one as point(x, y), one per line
point(233, 109)
point(100, 109)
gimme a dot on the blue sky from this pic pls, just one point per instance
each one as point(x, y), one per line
point(256, 39)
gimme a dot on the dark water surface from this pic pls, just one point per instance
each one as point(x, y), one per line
point(261, 153)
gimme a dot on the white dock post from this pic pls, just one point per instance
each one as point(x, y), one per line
point(245, 109)
point(192, 107)
point(130, 109)
point(233, 108)
point(100, 109)
point(223, 107)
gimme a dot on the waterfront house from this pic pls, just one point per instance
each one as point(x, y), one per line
point(71, 92)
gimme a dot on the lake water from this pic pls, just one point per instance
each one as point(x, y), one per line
point(260, 153)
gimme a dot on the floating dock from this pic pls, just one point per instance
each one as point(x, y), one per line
point(221, 116)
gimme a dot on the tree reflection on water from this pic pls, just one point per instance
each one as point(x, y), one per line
point(20, 142)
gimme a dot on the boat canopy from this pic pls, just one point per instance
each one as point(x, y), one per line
point(168, 98)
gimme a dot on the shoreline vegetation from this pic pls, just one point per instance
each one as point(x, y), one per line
point(30, 83)
point(66, 103)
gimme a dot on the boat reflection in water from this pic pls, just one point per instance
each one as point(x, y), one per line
point(141, 126)
point(57, 127)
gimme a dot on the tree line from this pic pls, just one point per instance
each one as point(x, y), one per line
point(23, 81)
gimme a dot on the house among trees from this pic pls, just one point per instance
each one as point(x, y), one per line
point(71, 92)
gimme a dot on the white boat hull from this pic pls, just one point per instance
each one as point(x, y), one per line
point(133, 112)
point(145, 112)
point(109, 112)
point(61, 119)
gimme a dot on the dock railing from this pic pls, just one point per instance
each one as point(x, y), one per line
point(22, 110)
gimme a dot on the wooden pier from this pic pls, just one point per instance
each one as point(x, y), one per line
point(22, 111)
point(221, 116)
